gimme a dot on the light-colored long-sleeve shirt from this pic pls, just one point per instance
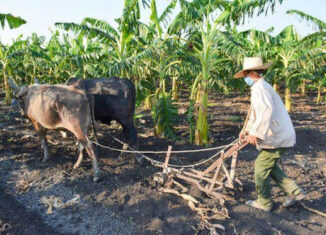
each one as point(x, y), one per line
point(269, 120)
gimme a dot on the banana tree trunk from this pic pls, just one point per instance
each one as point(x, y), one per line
point(288, 100)
point(148, 102)
point(303, 88)
point(163, 85)
point(7, 90)
point(174, 89)
point(198, 96)
point(201, 133)
point(318, 95)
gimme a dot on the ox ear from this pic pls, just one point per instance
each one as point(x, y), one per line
point(18, 91)
point(14, 86)
point(23, 90)
point(70, 81)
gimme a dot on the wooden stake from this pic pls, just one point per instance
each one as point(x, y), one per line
point(220, 161)
point(233, 164)
point(167, 158)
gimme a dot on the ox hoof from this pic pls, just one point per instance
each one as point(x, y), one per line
point(76, 166)
point(97, 177)
point(140, 160)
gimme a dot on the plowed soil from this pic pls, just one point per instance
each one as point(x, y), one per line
point(126, 201)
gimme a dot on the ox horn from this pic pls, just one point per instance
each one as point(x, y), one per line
point(13, 85)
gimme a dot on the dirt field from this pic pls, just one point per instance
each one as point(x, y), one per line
point(127, 202)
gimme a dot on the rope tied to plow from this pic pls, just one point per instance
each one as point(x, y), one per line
point(159, 163)
point(161, 152)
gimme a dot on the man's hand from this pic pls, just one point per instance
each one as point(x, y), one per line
point(242, 135)
point(252, 140)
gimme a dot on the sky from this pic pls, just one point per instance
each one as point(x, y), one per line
point(42, 14)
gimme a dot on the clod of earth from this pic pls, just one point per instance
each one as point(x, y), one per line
point(56, 202)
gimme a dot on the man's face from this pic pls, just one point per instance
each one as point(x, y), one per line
point(252, 74)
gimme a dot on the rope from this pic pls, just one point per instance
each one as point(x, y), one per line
point(159, 152)
point(158, 163)
point(204, 161)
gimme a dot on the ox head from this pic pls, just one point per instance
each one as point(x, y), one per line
point(19, 93)
point(70, 81)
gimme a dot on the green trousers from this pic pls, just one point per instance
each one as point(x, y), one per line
point(266, 167)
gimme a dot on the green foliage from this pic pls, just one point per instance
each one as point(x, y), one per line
point(164, 115)
point(12, 21)
point(321, 25)
point(191, 119)
point(144, 89)
point(154, 18)
point(200, 48)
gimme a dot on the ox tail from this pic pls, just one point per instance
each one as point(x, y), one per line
point(91, 107)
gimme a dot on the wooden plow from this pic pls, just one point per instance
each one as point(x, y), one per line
point(211, 180)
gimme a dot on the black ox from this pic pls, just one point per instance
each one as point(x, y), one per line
point(114, 99)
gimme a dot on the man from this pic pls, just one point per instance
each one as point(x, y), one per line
point(270, 128)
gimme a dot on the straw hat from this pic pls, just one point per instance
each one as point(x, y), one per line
point(252, 63)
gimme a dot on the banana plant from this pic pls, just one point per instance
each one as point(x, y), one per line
point(7, 51)
point(164, 112)
point(321, 27)
point(121, 41)
point(6, 60)
point(289, 52)
point(318, 73)
point(34, 58)
point(198, 16)
point(287, 55)
point(164, 115)
point(163, 63)
point(59, 66)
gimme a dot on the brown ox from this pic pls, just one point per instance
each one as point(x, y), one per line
point(57, 106)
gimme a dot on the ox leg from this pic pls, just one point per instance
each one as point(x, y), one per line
point(91, 153)
point(45, 148)
point(122, 154)
point(41, 131)
point(130, 133)
point(127, 136)
point(80, 155)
